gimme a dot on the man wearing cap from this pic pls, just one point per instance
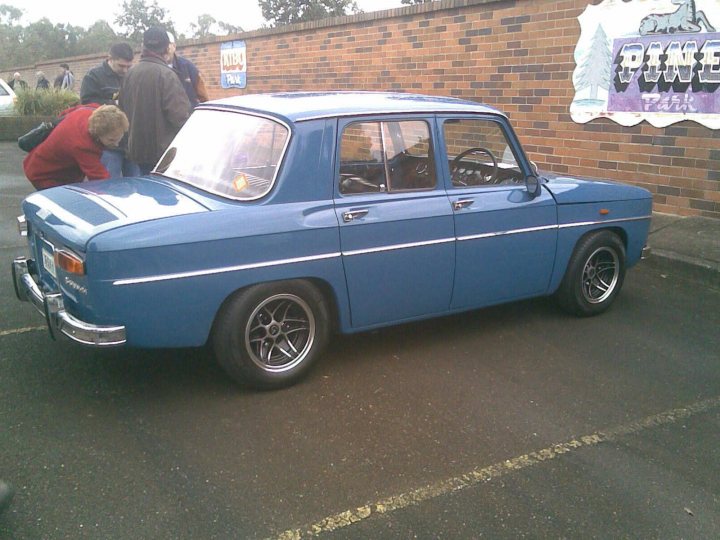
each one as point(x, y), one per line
point(154, 101)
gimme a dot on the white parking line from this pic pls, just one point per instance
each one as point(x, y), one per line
point(485, 474)
point(14, 331)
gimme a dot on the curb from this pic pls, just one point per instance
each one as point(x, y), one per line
point(669, 262)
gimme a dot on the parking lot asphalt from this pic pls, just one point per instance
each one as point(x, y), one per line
point(515, 421)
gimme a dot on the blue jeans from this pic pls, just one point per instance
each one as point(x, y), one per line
point(118, 165)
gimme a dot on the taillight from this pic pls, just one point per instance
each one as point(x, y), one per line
point(69, 262)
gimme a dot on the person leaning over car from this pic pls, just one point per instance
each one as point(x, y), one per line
point(73, 149)
point(102, 85)
point(154, 100)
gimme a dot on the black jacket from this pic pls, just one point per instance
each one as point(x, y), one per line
point(100, 85)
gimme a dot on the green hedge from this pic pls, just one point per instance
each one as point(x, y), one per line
point(33, 107)
point(44, 102)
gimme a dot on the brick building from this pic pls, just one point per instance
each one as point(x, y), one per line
point(515, 55)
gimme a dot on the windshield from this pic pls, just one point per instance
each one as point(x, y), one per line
point(232, 154)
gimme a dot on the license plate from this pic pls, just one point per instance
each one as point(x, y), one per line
point(49, 262)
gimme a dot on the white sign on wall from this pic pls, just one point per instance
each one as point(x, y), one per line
point(654, 60)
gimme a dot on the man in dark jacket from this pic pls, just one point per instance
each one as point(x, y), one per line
point(154, 100)
point(101, 85)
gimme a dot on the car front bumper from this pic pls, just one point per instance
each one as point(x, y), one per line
point(59, 321)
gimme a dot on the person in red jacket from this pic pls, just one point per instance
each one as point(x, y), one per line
point(73, 149)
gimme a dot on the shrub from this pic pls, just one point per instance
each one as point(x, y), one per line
point(44, 102)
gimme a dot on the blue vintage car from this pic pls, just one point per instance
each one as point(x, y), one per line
point(273, 220)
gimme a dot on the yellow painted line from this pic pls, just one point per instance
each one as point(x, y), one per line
point(14, 331)
point(485, 474)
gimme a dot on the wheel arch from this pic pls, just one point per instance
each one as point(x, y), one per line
point(562, 261)
point(323, 286)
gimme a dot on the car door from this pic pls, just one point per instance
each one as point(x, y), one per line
point(506, 239)
point(396, 223)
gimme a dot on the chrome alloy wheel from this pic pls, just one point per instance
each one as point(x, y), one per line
point(280, 333)
point(600, 275)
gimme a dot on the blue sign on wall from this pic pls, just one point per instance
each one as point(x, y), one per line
point(233, 64)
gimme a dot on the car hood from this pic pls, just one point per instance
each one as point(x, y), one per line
point(78, 212)
point(574, 190)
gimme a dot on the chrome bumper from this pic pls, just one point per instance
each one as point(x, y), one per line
point(646, 252)
point(59, 321)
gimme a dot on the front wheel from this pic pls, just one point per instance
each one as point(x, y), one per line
point(594, 275)
point(268, 336)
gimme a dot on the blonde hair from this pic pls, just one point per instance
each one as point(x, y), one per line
point(107, 119)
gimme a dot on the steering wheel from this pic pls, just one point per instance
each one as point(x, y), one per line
point(463, 176)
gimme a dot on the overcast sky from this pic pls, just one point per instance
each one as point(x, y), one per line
point(244, 13)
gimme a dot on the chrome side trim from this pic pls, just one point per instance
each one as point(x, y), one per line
point(214, 271)
point(397, 246)
point(506, 233)
point(586, 223)
point(266, 264)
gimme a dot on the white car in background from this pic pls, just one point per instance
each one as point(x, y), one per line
point(7, 99)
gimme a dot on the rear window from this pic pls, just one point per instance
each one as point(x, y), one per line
point(232, 154)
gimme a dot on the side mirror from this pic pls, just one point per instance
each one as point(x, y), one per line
point(532, 183)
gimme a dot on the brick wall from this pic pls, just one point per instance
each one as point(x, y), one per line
point(514, 55)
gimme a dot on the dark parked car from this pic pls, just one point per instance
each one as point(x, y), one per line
point(274, 220)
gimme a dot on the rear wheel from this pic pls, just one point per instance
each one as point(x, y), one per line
point(594, 275)
point(268, 336)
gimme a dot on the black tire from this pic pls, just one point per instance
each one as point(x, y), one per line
point(594, 275)
point(269, 336)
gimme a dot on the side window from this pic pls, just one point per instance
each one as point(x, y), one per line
point(478, 154)
point(386, 157)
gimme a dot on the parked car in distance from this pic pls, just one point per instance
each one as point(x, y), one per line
point(274, 220)
point(7, 99)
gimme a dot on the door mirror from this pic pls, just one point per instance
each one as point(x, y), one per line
point(532, 183)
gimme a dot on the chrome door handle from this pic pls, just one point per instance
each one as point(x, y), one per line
point(462, 203)
point(350, 215)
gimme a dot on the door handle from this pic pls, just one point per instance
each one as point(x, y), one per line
point(462, 203)
point(350, 215)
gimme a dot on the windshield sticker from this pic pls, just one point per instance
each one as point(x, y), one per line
point(240, 183)
point(654, 60)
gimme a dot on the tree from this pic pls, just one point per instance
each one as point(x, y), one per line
point(278, 12)
point(595, 71)
point(230, 28)
point(9, 15)
point(99, 37)
point(202, 28)
point(137, 16)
